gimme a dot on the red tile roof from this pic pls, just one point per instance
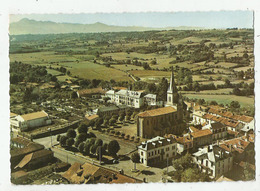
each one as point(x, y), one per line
point(92, 117)
point(91, 91)
point(201, 133)
point(157, 112)
point(237, 144)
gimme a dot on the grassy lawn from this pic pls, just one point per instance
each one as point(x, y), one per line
point(219, 91)
point(53, 72)
point(150, 73)
point(127, 67)
point(225, 99)
point(89, 70)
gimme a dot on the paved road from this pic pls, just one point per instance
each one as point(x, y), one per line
point(125, 146)
point(47, 141)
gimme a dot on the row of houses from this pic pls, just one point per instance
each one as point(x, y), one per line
point(233, 122)
point(93, 174)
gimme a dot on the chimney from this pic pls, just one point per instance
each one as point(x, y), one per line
point(247, 136)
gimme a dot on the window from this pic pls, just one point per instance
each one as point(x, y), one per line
point(152, 153)
point(158, 151)
point(142, 153)
point(149, 154)
point(155, 152)
point(173, 147)
point(206, 163)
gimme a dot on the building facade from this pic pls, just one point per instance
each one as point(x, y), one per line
point(213, 160)
point(156, 150)
point(158, 122)
point(30, 121)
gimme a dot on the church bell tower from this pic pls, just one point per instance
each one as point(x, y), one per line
point(172, 93)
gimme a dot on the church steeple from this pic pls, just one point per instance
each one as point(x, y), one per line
point(172, 93)
point(172, 88)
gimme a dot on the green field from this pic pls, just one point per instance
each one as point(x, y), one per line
point(89, 70)
point(224, 99)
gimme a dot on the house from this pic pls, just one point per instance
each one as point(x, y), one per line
point(158, 122)
point(238, 147)
point(91, 93)
point(150, 99)
point(229, 123)
point(30, 121)
point(20, 147)
point(201, 137)
point(111, 94)
point(35, 159)
point(197, 117)
point(184, 143)
point(130, 98)
point(157, 149)
point(92, 174)
point(213, 160)
point(219, 131)
point(91, 117)
point(74, 87)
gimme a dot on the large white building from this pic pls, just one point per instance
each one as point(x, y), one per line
point(30, 121)
point(213, 160)
point(157, 149)
point(126, 97)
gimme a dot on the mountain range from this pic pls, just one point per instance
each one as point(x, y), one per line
point(28, 26)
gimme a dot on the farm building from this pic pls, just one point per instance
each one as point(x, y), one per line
point(30, 121)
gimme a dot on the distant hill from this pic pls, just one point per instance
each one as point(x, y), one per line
point(27, 26)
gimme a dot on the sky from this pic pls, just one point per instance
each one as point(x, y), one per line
point(214, 19)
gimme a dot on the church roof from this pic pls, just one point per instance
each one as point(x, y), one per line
point(157, 112)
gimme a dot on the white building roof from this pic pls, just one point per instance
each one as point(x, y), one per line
point(111, 92)
point(129, 93)
point(153, 96)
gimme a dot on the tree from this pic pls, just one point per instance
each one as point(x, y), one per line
point(77, 142)
point(83, 128)
point(69, 142)
point(87, 148)
point(234, 105)
point(58, 138)
point(71, 133)
point(104, 147)
point(81, 147)
point(99, 142)
point(91, 141)
point(236, 91)
point(182, 163)
point(73, 95)
point(249, 174)
point(93, 149)
point(82, 137)
point(63, 140)
point(135, 157)
point(227, 82)
point(112, 121)
point(113, 147)
point(99, 122)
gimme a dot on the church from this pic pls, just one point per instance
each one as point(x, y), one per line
point(165, 120)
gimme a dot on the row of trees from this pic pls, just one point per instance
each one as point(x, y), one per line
point(87, 143)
